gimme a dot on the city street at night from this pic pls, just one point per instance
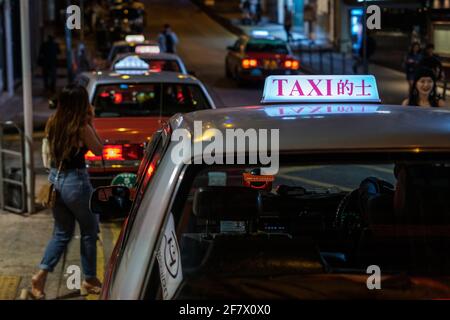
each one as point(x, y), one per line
point(224, 150)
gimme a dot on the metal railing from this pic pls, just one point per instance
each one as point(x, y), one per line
point(7, 182)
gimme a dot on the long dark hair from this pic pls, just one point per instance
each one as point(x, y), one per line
point(433, 98)
point(64, 128)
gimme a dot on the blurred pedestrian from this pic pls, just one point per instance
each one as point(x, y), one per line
point(288, 20)
point(82, 59)
point(432, 61)
point(48, 60)
point(254, 11)
point(167, 40)
point(70, 135)
point(359, 57)
point(423, 92)
point(411, 62)
point(245, 7)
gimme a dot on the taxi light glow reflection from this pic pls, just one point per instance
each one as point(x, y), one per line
point(151, 170)
point(113, 153)
point(249, 63)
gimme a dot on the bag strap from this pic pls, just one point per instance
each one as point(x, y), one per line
point(59, 171)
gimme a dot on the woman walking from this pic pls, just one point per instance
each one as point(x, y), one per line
point(71, 134)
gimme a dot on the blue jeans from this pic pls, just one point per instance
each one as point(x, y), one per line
point(72, 204)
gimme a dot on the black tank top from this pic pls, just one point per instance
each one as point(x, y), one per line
point(76, 160)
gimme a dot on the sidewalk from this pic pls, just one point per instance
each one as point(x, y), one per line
point(316, 58)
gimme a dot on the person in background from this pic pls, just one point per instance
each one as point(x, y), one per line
point(423, 91)
point(432, 61)
point(359, 57)
point(411, 63)
point(83, 63)
point(288, 20)
point(167, 40)
point(48, 60)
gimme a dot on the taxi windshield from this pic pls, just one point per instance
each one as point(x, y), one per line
point(144, 100)
point(284, 235)
point(264, 46)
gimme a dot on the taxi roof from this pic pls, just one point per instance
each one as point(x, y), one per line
point(152, 56)
point(105, 77)
point(334, 128)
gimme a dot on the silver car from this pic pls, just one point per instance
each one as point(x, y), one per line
point(355, 195)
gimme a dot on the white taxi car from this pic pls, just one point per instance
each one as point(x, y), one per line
point(302, 197)
point(129, 109)
point(133, 44)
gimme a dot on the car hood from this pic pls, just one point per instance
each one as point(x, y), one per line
point(127, 130)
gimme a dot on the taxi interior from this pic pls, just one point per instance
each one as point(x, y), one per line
point(296, 238)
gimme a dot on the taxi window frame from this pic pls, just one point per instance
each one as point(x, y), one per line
point(190, 171)
point(160, 87)
point(162, 140)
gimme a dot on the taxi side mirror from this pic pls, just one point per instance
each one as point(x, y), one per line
point(111, 202)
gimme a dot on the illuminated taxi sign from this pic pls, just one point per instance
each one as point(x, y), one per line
point(135, 38)
point(324, 88)
point(147, 49)
point(131, 63)
point(318, 110)
point(260, 33)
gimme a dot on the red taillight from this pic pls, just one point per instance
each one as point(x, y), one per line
point(90, 156)
point(249, 63)
point(113, 153)
point(118, 98)
point(291, 64)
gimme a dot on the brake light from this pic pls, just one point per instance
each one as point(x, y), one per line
point(113, 153)
point(90, 156)
point(249, 63)
point(291, 64)
point(118, 98)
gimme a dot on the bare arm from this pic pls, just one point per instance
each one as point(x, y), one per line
point(405, 102)
point(92, 140)
point(441, 103)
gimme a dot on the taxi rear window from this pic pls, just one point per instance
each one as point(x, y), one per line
point(145, 100)
point(158, 65)
point(267, 47)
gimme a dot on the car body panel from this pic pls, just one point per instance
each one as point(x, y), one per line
point(380, 129)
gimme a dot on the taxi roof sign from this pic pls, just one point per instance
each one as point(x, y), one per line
point(131, 63)
point(322, 88)
point(135, 38)
point(147, 49)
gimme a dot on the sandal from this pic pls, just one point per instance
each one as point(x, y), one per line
point(91, 288)
point(36, 293)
